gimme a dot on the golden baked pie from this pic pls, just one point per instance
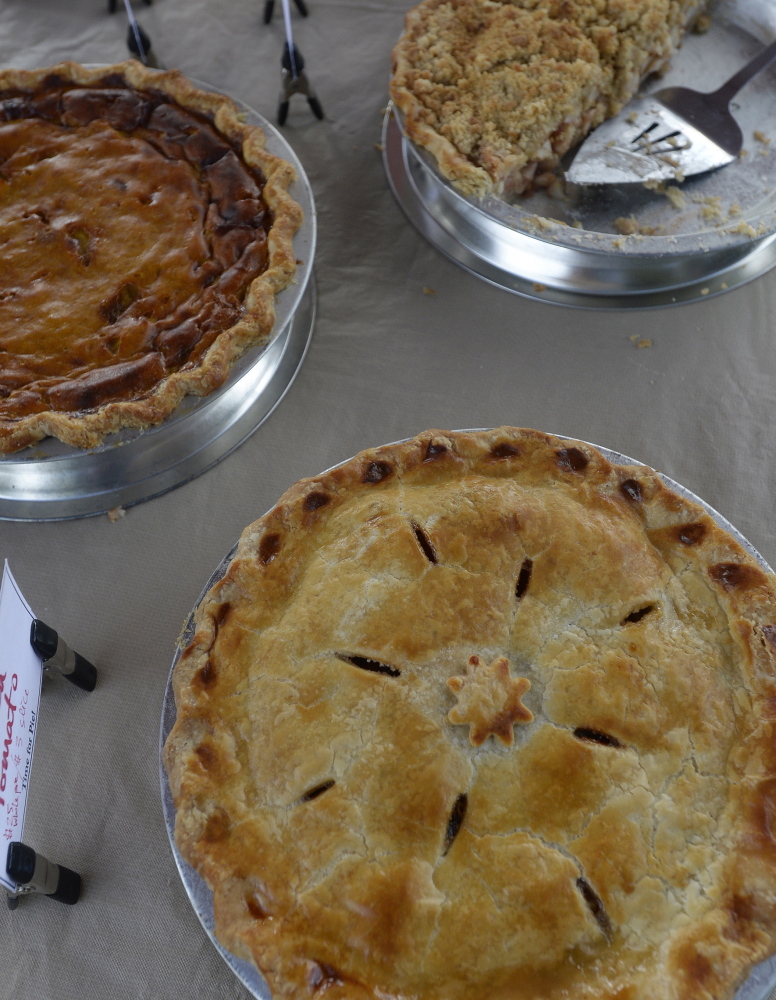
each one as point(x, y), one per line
point(145, 233)
point(484, 715)
point(499, 91)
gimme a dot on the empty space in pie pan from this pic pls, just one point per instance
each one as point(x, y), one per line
point(761, 983)
point(53, 481)
point(713, 233)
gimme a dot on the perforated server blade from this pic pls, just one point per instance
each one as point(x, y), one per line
point(678, 133)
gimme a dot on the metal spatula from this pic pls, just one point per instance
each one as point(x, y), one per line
point(672, 134)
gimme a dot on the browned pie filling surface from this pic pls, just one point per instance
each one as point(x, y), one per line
point(131, 231)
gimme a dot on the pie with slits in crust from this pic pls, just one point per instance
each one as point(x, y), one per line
point(499, 90)
point(483, 715)
point(146, 232)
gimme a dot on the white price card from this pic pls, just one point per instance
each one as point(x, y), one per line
point(20, 680)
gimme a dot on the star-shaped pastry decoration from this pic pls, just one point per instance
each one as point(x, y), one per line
point(489, 701)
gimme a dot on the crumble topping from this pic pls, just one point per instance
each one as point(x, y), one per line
point(499, 91)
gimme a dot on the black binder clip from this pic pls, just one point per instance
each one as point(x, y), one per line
point(138, 41)
point(139, 44)
point(57, 655)
point(294, 81)
point(33, 873)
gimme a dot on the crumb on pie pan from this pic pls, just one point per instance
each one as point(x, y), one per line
point(730, 925)
point(237, 224)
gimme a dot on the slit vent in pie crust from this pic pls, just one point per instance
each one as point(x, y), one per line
point(146, 232)
point(499, 91)
point(413, 778)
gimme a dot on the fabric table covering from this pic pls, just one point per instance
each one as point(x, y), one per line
point(404, 341)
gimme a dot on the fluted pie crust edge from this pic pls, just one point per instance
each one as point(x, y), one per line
point(88, 428)
point(369, 832)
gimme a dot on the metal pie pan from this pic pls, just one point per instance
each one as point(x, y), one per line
point(53, 481)
point(199, 894)
point(761, 981)
point(721, 236)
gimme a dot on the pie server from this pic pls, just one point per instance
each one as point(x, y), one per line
point(669, 135)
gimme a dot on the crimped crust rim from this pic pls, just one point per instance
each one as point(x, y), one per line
point(88, 429)
point(744, 589)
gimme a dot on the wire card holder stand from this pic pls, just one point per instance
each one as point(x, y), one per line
point(293, 79)
point(113, 5)
point(269, 9)
point(138, 40)
point(29, 649)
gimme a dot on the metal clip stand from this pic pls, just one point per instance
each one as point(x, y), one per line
point(30, 871)
point(292, 76)
point(57, 655)
point(293, 80)
point(138, 41)
point(34, 873)
point(113, 5)
point(269, 8)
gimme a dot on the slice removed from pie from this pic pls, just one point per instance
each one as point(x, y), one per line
point(499, 91)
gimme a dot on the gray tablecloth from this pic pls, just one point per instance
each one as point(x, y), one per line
point(387, 360)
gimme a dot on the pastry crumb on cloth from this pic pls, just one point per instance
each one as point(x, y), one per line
point(484, 715)
point(499, 91)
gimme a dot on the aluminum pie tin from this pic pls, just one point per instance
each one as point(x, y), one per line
point(761, 983)
point(200, 896)
point(710, 234)
point(54, 481)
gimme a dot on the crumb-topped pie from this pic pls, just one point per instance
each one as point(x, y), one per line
point(483, 715)
point(499, 90)
point(145, 233)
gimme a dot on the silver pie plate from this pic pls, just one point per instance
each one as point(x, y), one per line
point(762, 979)
point(569, 252)
point(53, 481)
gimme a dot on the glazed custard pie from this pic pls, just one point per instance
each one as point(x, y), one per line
point(499, 91)
point(145, 233)
point(484, 715)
